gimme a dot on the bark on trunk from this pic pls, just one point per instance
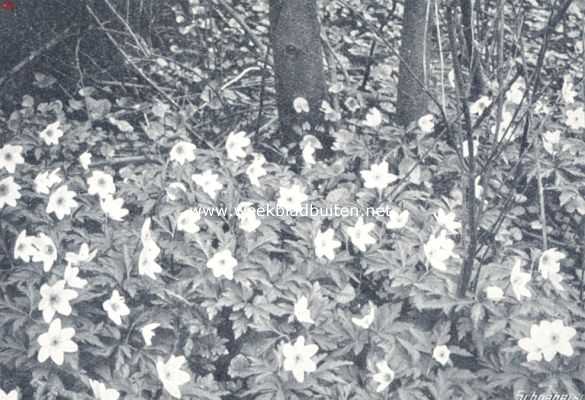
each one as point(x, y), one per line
point(414, 68)
point(295, 36)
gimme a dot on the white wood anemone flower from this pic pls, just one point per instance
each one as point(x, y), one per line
point(302, 311)
point(448, 220)
point(384, 376)
point(547, 339)
point(368, 319)
point(71, 276)
point(188, 220)
point(222, 263)
point(9, 192)
point(519, 280)
point(23, 247)
point(101, 392)
point(62, 202)
point(12, 395)
point(256, 169)
point(148, 333)
point(326, 244)
point(56, 342)
point(52, 133)
point(236, 144)
point(113, 208)
point(494, 293)
point(441, 354)
point(292, 198)
point(85, 160)
point(397, 219)
point(438, 250)
point(549, 266)
point(101, 184)
point(298, 358)
point(209, 182)
point(82, 257)
point(183, 152)
point(10, 157)
point(246, 214)
point(116, 307)
point(44, 181)
point(378, 177)
point(426, 123)
point(374, 118)
point(46, 252)
point(55, 300)
point(359, 234)
point(171, 374)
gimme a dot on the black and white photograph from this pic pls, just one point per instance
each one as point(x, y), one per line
point(292, 199)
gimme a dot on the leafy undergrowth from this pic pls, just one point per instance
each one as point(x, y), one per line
point(116, 272)
point(141, 260)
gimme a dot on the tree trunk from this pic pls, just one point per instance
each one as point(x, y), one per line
point(414, 67)
point(295, 36)
point(476, 84)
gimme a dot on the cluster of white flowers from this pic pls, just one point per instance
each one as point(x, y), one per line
point(39, 248)
point(56, 297)
point(102, 184)
point(10, 157)
point(147, 264)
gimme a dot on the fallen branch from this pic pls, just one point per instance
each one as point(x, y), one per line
point(125, 161)
point(35, 54)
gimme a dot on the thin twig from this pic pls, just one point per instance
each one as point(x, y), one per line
point(131, 62)
point(139, 44)
point(373, 46)
point(329, 48)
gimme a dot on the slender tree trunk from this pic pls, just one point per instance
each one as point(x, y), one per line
point(414, 67)
point(295, 36)
point(476, 85)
